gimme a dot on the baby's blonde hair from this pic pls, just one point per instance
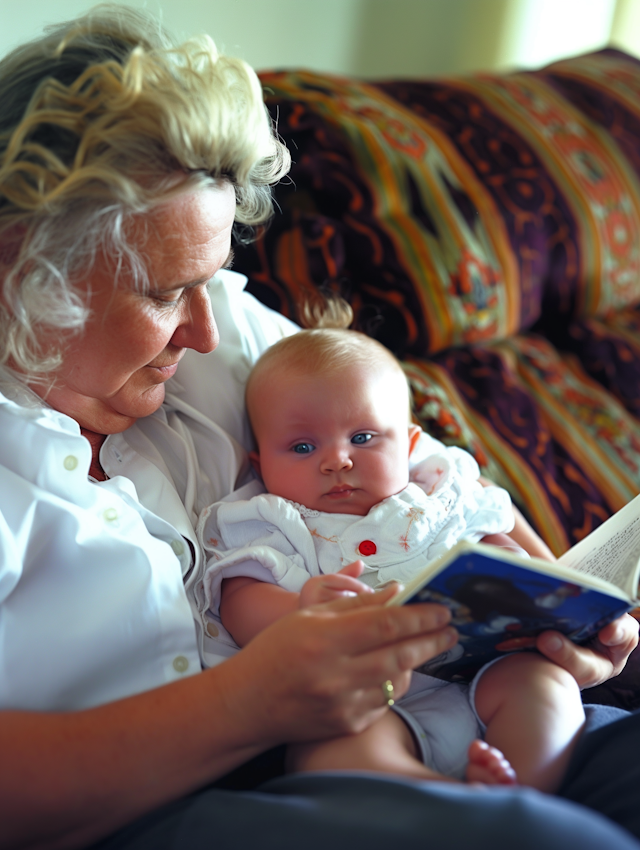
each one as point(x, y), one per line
point(323, 351)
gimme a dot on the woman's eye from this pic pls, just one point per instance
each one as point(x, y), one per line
point(359, 439)
point(302, 448)
point(168, 300)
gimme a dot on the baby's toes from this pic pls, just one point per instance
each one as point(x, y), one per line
point(488, 765)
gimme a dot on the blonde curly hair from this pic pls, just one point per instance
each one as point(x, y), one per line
point(98, 116)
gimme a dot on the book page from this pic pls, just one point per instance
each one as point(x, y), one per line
point(613, 557)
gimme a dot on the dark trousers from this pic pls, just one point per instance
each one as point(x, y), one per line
point(598, 807)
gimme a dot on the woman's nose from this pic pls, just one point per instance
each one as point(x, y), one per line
point(197, 329)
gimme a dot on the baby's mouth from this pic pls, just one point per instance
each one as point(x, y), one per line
point(340, 490)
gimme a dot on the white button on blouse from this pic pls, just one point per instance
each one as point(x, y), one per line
point(180, 664)
point(178, 547)
point(92, 602)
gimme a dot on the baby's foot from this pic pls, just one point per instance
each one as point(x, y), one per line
point(489, 766)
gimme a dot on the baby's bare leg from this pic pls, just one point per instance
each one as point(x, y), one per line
point(533, 713)
point(387, 746)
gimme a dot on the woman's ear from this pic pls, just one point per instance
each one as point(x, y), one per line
point(414, 436)
point(254, 458)
point(10, 244)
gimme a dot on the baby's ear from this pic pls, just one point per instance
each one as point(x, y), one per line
point(254, 458)
point(414, 436)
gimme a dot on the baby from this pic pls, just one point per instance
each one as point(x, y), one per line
point(349, 478)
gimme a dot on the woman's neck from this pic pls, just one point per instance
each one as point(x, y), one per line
point(95, 441)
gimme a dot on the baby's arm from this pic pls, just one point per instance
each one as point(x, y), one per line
point(247, 605)
point(504, 541)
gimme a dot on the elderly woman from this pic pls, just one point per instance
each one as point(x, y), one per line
point(125, 163)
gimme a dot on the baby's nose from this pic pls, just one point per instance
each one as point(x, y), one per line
point(336, 461)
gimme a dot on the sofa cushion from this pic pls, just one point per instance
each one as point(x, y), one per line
point(457, 210)
point(609, 352)
point(538, 424)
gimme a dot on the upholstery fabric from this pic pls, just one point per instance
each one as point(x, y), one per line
point(459, 210)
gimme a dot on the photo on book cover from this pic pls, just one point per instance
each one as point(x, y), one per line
point(498, 607)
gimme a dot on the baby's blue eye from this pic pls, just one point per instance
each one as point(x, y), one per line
point(359, 439)
point(303, 448)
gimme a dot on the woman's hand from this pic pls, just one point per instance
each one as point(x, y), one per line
point(603, 659)
point(324, 588)
point(319, 671)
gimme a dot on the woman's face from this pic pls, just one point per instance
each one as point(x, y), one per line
point(114, 372)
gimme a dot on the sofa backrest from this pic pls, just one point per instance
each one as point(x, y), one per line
point(457, 210)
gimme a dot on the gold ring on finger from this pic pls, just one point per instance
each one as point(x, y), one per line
point(388, 692)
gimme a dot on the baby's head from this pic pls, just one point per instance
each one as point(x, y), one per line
point(330, 414)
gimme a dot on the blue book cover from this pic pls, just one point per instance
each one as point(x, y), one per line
point(499, 602)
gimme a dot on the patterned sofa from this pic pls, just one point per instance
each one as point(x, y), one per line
point(487, 230)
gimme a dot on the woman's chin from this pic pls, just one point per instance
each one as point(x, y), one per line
point(114, 415)
point(136, 406)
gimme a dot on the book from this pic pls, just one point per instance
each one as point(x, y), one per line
point(501, 601)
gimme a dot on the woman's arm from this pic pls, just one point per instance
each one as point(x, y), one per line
point(68, 779)
point(71, 778)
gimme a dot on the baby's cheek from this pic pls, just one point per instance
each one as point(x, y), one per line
point(392, 476)
point(290, 482)
point(273, 478)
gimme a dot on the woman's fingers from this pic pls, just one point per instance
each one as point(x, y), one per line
point(382, 663)
point(336, 582)
point(587, 667)
point(361, 708)
point(618, 640)
point(377, 599)
point(355, 569)
point(374, 643)
point(594, 664)
point(321, 589)
point(319, 671)
point(366, 623)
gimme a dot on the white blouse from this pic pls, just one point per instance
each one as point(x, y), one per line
point(93, 604)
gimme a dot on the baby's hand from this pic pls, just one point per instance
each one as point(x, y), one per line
point(325, 588)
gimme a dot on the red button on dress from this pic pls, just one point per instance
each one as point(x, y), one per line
point(367, 547)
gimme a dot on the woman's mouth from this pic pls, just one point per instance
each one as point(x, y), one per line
point(166, 371)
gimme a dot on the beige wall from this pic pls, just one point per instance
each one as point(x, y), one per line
point(374, 38)
point(625, 30)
